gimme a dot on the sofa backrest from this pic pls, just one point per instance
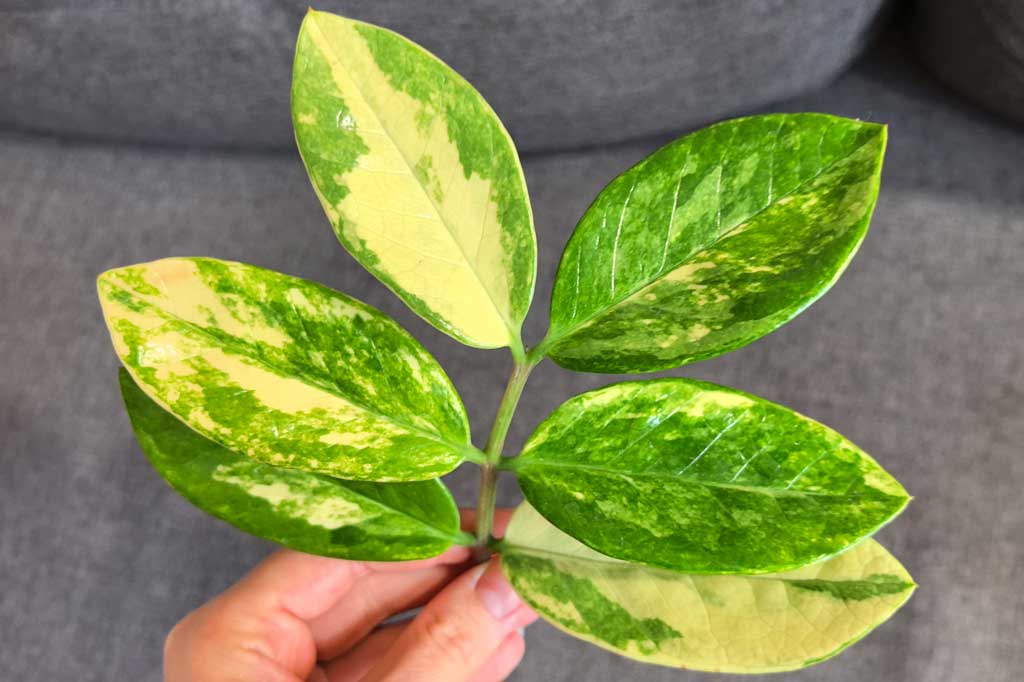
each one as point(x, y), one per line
point(561, 73)
point(977, 48)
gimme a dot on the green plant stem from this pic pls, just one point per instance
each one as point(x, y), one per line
point(495, 442)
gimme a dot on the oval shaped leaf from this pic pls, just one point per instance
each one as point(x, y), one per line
point(309, 512)
point(734, 623)
point(714, 241)
point(284, 370)
point(418, 177)
point(695, 477)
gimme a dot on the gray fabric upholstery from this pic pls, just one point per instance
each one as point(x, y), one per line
point(561, 74)
point(977, 48)
point(915, 355)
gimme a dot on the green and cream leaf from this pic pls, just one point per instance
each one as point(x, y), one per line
point(714, 241)
point(694, 477)
point(311, 513)
point(733, 623)
point(418, 177)
point(284, 370)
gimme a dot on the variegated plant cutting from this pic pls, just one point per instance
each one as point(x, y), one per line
point(672, 521)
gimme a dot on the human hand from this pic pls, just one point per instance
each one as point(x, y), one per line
point(298, 617)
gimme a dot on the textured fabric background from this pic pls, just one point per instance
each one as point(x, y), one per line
point(977, 48)
point(915, 355)
point(561, 73)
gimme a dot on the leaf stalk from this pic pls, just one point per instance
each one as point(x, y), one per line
point(524, 364)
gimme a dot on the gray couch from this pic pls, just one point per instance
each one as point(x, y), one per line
point(130, 131)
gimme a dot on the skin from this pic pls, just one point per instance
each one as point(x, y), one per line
point(298, 617)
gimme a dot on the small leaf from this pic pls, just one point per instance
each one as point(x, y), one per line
point(417, 176)
point(284, 370)
point(308, 512)
point(695, 477)
point(714, 241)
point(734, 623)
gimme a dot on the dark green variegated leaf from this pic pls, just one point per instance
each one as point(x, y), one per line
point(714, 241)
point(283, 370)
point(418, 177)
point(694, 477)
point(722, 623)
point(308, 512)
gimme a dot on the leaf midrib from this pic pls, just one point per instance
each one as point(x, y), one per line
point(447, 535)
point(525, 549)
point(522, 465)
point(553, 340)
point(411, 167)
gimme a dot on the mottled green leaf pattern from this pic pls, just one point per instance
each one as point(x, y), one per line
point(308, 512)
point(734, 623)
point(714, 241)
point(417, 175)
point(284, 370)
point(695, 477)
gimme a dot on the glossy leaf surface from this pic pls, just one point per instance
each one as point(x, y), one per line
point(417, 175)
point(308, 512)
point(714, 241)
point(695, 477)
point(728, 623)
point(284, 370)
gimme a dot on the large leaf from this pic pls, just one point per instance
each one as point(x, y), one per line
point(694, 477)
point(283, 370)
point(714, 241)
point(308, 512)
point(742, 624)
point(417, 175)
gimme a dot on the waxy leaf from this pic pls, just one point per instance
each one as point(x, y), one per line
point(714, 241)
point(699, 478)
point(283, 370)
point(734, 623)
point(418, 177)
point(308, 512)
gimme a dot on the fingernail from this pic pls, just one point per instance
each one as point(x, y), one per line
point(496, 594)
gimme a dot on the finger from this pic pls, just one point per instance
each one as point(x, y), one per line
point(372, 600)
point(255, 628)
point(354, 665)
point(301, 585)
point(306, 585)
point(261, 621)
point(208, 645)
point(457, 632)
point(503, 661)
point(501, 518)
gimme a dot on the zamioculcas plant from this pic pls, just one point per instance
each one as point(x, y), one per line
point(672, 520)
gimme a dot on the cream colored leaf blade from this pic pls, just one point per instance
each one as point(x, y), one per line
point(418, 177)
point(725, 623)
point(285, 371)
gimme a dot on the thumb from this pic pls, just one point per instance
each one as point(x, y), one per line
point(458, 632)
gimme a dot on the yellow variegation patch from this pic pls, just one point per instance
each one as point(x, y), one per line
point(713, 241)
point(689, 476)
point(417, 176)
point(728, 623)
point(309, 512)
point(283, 370)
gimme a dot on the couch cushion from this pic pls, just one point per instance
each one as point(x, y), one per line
point(977, 48)
point(914, 355)
point(561, 74)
